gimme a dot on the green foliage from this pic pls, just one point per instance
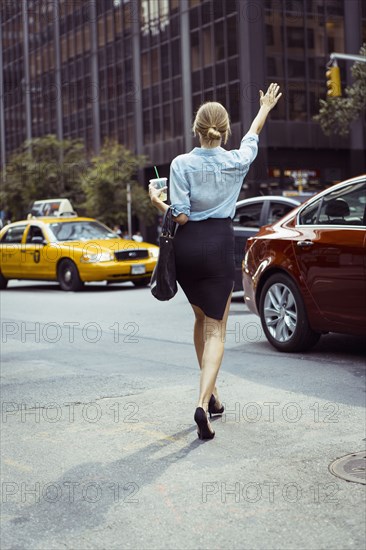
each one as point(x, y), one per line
point(105, 186)
point(43, 168)
point(337, 113)
point(48, 168)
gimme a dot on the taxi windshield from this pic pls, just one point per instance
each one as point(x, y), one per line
point(81, 231)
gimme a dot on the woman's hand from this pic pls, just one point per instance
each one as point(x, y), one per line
point(270, 98)
point(267, 101)
point(154, 197)
point(155, 193)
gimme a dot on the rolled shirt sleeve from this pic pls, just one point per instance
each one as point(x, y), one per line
point(179, 190)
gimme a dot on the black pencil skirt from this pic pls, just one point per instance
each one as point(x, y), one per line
point(205, 264)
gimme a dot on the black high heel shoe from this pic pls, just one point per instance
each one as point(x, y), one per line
point(212, 407)
point(203, 432)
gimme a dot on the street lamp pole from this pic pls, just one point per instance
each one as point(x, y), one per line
point(349, 57)
point(2, 111)
point(129, 210)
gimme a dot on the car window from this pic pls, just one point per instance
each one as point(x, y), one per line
point(34, 231)
point(345, 206)
point(14, 234)
point(309, 215)
point(248, 215)
point(277, 210)
point(81, 231)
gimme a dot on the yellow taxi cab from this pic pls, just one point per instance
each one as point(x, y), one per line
point(72, 250)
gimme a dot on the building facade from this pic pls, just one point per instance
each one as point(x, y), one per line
point(137, 70)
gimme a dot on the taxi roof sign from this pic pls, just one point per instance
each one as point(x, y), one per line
point(52, 208)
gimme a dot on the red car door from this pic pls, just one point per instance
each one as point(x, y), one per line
point(333, 269)
point(331, 255)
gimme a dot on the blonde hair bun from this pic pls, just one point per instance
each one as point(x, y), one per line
point(212, 122)
point(213, 134)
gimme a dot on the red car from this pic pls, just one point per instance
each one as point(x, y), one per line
point(305, 275)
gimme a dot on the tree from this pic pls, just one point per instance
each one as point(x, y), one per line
point(43, 168)
point(105, 185)
point(337, 113)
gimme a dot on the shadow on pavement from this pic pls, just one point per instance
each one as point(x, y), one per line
point(83, 496)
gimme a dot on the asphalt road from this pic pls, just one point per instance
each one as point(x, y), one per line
point(99, 447)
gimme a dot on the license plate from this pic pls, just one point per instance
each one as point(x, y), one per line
point(138, 269)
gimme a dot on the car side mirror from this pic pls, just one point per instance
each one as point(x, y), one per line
point(38, 240)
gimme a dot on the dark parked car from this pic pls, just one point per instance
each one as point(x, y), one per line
point(250, 215)
point(306, 275)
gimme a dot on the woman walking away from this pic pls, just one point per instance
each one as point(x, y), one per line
point(204, 187)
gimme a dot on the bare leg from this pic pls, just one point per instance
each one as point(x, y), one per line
point(199, 342)
point(198, 333)
point(212, 333)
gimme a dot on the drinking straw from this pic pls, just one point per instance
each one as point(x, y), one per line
point(156, 172)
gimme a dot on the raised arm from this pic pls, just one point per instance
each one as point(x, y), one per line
point(267, 102)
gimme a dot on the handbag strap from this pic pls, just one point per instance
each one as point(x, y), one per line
point(169, 226)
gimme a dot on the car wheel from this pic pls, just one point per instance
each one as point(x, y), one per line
point(68, 276)
point(142, 282)
point(283, 315)
point(3, 281)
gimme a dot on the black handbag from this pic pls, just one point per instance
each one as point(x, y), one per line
point(163, 284)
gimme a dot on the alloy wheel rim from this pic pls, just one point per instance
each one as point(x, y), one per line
point(280, 312)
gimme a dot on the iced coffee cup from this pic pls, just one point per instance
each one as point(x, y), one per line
point(159, 183)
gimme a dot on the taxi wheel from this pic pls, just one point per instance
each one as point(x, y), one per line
point(3, 281)
point(142, 282)
point(283, 315)
point(68, 276)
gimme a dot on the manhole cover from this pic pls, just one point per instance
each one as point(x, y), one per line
point(350, 467)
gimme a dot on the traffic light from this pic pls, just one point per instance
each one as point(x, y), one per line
point(333, 75)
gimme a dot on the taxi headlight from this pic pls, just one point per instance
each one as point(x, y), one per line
point(91, 258)
point(154, 252)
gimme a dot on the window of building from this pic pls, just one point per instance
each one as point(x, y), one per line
point(220, 73)
point(110, 27)
point(194, 18)
point(156, 128)
point(234, 102)
point(70, 45)
point(296, 68)
point(176, 59)
point(233, 69)
point(232, 36)
point(269, 35)
point(335, 34)
point(295, 37)
point(219, 41)
point(208, 77)
point(155, 67)
point(297, 103)
point(177, 117)
point(174, 6)
point(145, 70)
point(207, 47)
point(164, 62)
point(101, 32)
point(195, 51)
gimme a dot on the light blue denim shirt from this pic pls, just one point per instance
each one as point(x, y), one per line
point(205, 183)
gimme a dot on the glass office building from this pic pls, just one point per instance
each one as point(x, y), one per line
point(137, 70)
